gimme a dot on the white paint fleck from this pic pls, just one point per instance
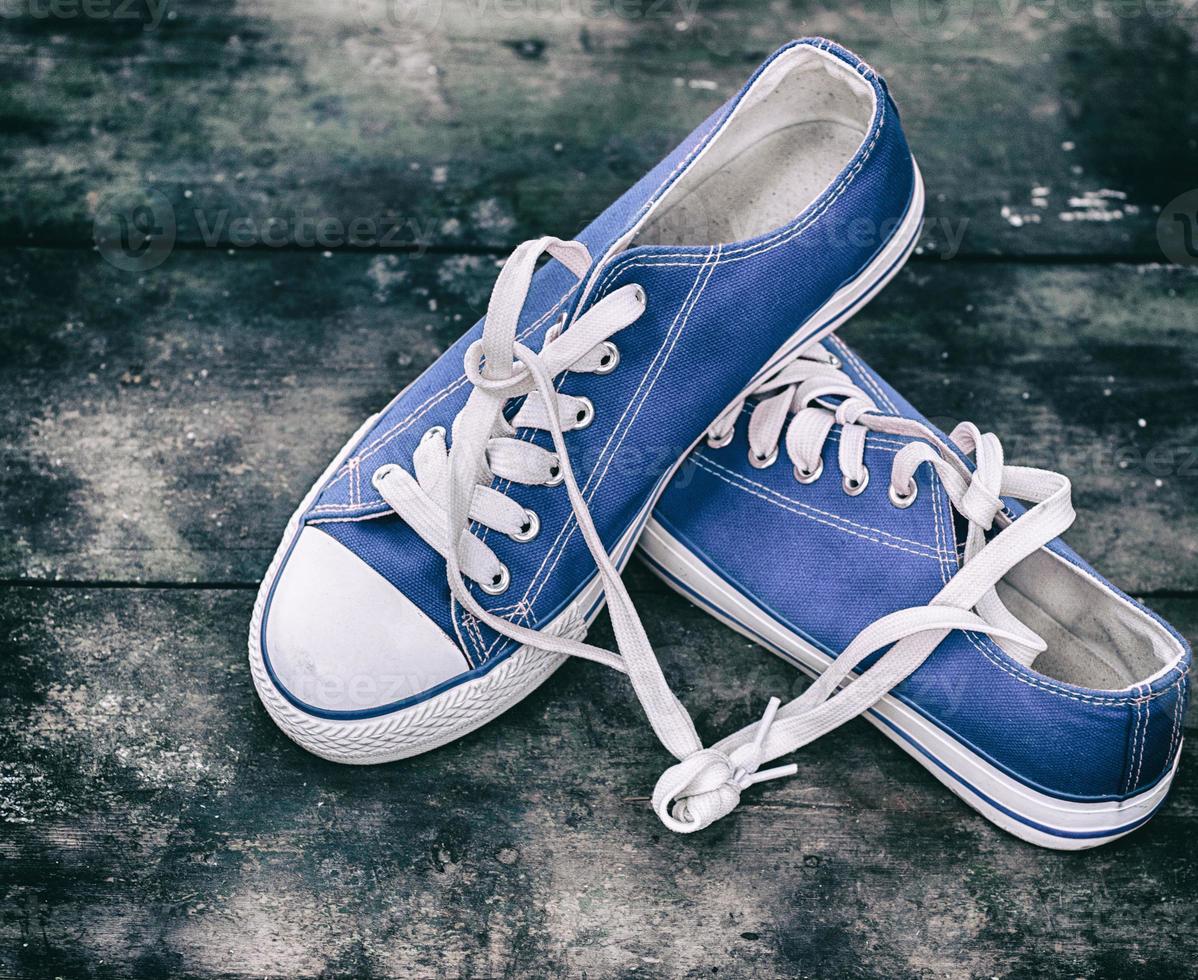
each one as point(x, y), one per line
point(386, 272)
point(1100, 205)
point(490, 215)
point(1017, 220)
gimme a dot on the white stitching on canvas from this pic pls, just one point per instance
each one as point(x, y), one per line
point(567, 528)
point(1175, 730)
point(1130, 753)
point(1046, 685)
point(866, 374)
point(810, 507)
point(930, 554)
point(1129, 777)
point(668, 351)
point(660, 359)
point(942, 536)
point(1143, 741)
point(557, 548)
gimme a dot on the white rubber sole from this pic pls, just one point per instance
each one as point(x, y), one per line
point(1016, 808)
point(472, 703)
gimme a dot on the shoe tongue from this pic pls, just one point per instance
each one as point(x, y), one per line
point(960, 530)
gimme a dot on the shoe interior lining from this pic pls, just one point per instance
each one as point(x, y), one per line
point(1095, 639)
point(789, 138)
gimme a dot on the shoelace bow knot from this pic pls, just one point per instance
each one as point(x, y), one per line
point(707, 784)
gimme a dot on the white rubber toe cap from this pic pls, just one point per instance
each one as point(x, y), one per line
point(340, 637)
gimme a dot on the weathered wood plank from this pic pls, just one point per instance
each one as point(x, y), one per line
point(162, 428)
point(153, 822)
point(1042, 128)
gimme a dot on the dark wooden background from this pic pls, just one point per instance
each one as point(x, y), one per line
point(158, 426)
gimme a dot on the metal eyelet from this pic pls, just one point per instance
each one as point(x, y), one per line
point(556, 475)
point(855, 488)
point(381, 474)
point(585, 415)
point(835, 361)
point(499, 583)
point(532, 524)
point(904, 500)
point(639, 295)
point(556, 327)
point(761, 462)
point(805, 476)
point(719, 442)
point(435, 430)
point(610, 359)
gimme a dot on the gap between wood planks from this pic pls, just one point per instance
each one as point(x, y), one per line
point(502, 251)
point(234, 586)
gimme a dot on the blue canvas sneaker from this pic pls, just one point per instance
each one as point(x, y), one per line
point(460, 544)
point(921, 593)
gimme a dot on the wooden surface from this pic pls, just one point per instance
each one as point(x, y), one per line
point(157, 427)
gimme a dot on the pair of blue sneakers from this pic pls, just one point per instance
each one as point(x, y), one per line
point(457, 549)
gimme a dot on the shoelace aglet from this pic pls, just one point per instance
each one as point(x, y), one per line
point(767, 719)
point(753, 778)
point(746, 779)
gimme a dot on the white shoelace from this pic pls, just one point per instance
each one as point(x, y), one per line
point(451, 488)
point(701, 789)
point(447, 493)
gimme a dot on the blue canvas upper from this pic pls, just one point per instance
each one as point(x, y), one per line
point(714, 315)
point(839, 562)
